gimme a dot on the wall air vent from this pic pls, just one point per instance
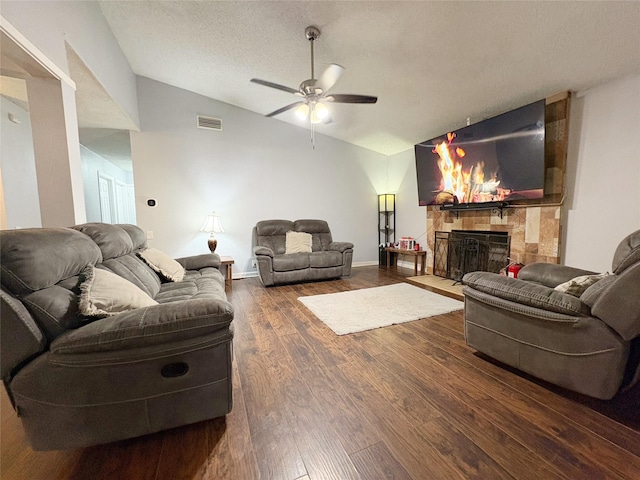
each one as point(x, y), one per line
point(209, 123)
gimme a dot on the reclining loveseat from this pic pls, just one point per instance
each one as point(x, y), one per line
point(101, 341)
point(290, 252)
point(571, 327)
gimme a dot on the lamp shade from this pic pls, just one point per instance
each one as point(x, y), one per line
point(212, 224)
point(387, 202)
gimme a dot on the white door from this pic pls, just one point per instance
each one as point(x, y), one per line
point(130, 202)
point(107, 198)
point(121, 211)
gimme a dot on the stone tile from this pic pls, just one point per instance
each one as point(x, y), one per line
point(496, 220)
point(548, 244)
point(532, 233)
point(535, 231)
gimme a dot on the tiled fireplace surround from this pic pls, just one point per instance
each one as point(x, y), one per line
point(535, 231)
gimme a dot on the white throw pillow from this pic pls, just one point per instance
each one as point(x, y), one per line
point(298, 242)
point(162, 263)
point(103, 293)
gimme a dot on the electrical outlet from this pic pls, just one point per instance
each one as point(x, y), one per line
point(253, 263)
point(149, 235)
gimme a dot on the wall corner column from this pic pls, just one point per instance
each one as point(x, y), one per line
point(57, 151)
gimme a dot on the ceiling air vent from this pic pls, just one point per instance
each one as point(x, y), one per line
point(209, 123)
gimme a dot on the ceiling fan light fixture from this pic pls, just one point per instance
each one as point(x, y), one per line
point(314, 118)
point(321, 110)
point(302, 112)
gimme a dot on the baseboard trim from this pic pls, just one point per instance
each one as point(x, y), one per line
point(364, 264)
point(241, 275)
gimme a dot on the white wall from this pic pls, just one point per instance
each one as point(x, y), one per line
point(18, 168)
point(256, 168)
point(48, 25)
point(411, 219)
point(603, 173)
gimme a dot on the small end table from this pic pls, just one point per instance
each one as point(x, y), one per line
point(227, 262)
point(417, 254)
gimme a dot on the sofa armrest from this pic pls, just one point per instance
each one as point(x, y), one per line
point(525, 293)
point(550, 274)
point(158, 324)
point(260, 250)
point(340, 246)
point(198, 262)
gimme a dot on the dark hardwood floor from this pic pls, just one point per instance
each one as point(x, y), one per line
point(409, 401)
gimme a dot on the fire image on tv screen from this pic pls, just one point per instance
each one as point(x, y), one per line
point(500, 159)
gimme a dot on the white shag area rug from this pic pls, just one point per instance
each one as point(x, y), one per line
point(369, 308)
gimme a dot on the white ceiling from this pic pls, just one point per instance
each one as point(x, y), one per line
point(432, 64)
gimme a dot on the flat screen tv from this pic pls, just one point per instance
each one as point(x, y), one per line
point(497, 160)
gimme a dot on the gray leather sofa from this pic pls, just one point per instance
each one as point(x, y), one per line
point(588, 343)
point(327, 260)
point(76, 381)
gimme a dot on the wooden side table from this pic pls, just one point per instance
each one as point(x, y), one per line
point(227, 262)
point(419, 254)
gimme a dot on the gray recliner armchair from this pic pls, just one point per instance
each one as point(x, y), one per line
point(325, 260)
point(76, 380)
point(588, 342)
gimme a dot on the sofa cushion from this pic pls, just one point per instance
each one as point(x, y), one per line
point(291, 261)
point(205, 283)
point(131, 267)
point(112, 240)
point(103, 293)
point(319, 230)
point(618, 304)
point(55, 308)
point(168, 268)
point(298, 242)
point(627, 253)
point(272, 234)
point(525, 293)
point(35, 258)
point(138, 236)
point(325, 259)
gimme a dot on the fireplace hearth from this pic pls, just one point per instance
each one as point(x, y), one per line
point(462, 251)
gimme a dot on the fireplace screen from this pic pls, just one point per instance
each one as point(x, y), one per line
point(462, 251)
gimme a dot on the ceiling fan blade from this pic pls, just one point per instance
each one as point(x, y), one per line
point(283, 109)
point(329, 77)
point(348, 98)
point(274, 85)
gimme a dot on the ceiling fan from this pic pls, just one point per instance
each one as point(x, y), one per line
point(315, 92)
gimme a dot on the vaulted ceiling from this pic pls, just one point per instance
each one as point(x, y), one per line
point(433, 65)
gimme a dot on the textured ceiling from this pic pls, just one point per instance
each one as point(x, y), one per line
point(432, 64)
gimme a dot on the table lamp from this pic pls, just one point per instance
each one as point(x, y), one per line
point(212, 224)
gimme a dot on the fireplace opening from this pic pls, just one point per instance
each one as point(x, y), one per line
point(463, 251)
